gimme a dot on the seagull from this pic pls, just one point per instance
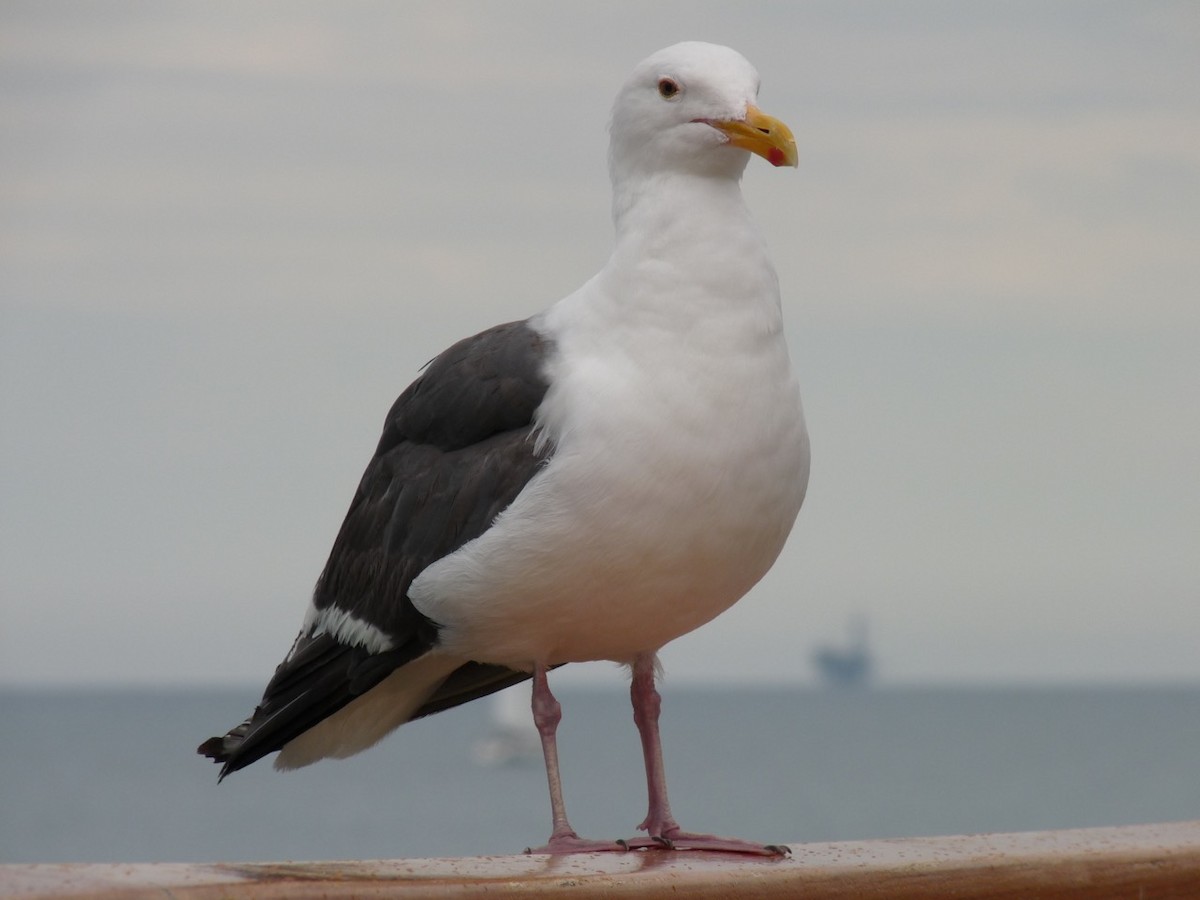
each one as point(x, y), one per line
point(589, 483)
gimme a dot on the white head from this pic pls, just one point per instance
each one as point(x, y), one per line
point(691, 108)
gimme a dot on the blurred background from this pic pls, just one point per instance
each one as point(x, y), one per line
point(230, 234)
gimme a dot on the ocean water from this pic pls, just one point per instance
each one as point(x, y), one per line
point(113, 776)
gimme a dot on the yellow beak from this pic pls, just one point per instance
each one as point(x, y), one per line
point(761, 134)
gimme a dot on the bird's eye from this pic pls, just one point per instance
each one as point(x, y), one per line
point(668, 88)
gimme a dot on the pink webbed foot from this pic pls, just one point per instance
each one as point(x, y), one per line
point(677, 839)
point(570, 842)
point(563, 844)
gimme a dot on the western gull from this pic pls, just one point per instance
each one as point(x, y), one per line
point(586, 484)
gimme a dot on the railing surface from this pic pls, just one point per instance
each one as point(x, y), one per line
point(1146, 862)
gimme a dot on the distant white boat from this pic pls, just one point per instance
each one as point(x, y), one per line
point(512, 737)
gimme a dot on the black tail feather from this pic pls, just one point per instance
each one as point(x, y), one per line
point(316, 680)
point(320, 677)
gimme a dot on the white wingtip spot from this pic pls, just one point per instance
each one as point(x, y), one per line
point(348, 628)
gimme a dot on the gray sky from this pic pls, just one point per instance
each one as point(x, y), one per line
point(231, 233)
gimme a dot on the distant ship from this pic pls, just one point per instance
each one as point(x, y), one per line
point(848, 665)
point(512, 737)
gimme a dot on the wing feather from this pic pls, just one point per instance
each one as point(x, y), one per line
point(457, 448)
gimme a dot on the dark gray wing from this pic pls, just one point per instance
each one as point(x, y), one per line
point(457, 448)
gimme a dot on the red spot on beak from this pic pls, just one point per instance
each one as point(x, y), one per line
point(776, 158)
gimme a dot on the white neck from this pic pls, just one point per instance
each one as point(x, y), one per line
point(685, 239)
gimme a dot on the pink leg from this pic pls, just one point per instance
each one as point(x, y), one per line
point(546, 715)
point(647, 704)
point(659, 824)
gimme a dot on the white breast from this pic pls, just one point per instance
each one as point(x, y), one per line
point(680, 462)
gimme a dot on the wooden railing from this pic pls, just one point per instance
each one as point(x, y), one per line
point(1143, 862)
